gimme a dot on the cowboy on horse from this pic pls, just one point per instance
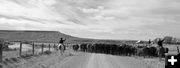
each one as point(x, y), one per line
point(61, 45)
point(160, 49)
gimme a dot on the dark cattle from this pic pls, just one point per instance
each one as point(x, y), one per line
point(89, 48)
point(113, 49)
point(142, 51)
point(127, 50)
point(161, 51)
point(107, 49)
point(103, 48)
point(83, 47)
point(132, 50)
point(147, 51)
point(75, 47)
point(123, 49)
point(120, 50)
point(152, 51)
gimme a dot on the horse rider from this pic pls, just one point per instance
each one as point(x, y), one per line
point(149, 42)
point(160, 49)
point(61, 44)
point(61, 41)
point(160, 42)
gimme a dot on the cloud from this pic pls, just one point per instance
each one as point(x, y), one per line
point(112, 19)
point(36, 11)
point(91, 10)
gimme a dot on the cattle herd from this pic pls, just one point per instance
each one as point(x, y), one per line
point(123, 49)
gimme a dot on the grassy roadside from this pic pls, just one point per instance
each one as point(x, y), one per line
point(35, 61)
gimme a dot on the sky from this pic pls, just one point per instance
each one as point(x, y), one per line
point(99, 19)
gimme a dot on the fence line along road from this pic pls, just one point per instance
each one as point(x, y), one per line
point(1, 53)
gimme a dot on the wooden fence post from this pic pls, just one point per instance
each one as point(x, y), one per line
point(49, 47)
point(33, 48)
point(178, 49)
point(1, 52)
point(42, 48)
point(54, 46)
point(20, 50)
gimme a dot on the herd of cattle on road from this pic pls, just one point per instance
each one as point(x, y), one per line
point(123, 49)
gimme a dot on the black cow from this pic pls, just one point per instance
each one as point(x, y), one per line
point(75, 47)
point(83, 47)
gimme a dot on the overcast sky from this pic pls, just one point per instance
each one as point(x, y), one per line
point(102, 19)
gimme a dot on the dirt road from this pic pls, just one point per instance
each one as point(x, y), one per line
point(100, 61)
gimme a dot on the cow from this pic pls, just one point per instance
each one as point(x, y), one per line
point(127, 50)
point(89, 48)
point(83, 47)
point(75, 47)
point(152, 51)
point(148, 51)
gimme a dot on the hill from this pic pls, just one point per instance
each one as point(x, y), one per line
point(169, 40)
point(51, 36)
point(38, 36)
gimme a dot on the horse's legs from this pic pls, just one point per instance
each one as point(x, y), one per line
point(61, 52)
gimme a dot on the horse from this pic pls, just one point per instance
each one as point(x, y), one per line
point(62, 48)
point(161, 51)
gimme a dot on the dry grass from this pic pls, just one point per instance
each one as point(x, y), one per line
point(38, 60)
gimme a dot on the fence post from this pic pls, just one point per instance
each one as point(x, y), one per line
point(20, 50)
point(1, 52)
point(33, 48)
point(42, 48)
point(54, 46)
point(178, 49)
point(49, 47)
